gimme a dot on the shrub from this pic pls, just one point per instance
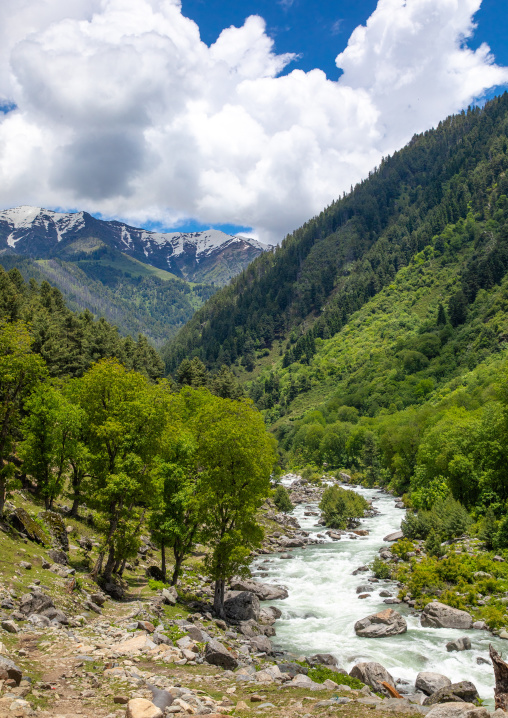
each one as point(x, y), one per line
point(157, 585)
point(341, 507)
point(380, 568)
point(319, 674)
point(402, 547)
point(501, 536)
point(488, 530)
point(447, 518)
point(433, 544)
point(281, 500)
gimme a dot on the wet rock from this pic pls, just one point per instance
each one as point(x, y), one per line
point(264, 591)
point(392, 601)
point(35, 602)
point(372, 674)
point(482, 661)
point(460, 644)
point(363, 589)
point(293, 669)
point(170, 596)
point(141, 708)
point(395, 536)
point(480, 626)
point(324, 659)
point(9, 670)
point(429, 683)
point(438, 615)
point(218, 655)
point(463, 691)
point(286, 555)
point(382, 624)
point(241, 606)
point(385, 594)
point(458, 710)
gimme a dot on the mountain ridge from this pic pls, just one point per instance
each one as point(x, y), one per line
point(193, 256)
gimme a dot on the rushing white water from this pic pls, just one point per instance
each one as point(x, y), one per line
point(322, 607)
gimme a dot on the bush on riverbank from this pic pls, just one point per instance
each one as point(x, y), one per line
point(342, 508)
point(447, 518)
point(319, 674)
point(460, 580)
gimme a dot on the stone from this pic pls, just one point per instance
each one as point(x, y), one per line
point(54, 614)
point(241, 606)
point(463, 691)
point(35, 602)
point(136, 643)
point(9, 670)
point(392, 601)
point(114, 590)
point(120, 700)
point(293, 669)
point(38, 621)
point(363, 589)
point(146, 626)
point(372, 674)
point(264, 591)
point(58, 556)
point(261, 644)
point(458, 710)
point(169, 596)
point(325, 659)
point(438, 615)
point(395, 536)
point(218, 655)
point(141, 708)
point(98, 598)
point(9, 626)
point(160, 698)
point(58, 531)
point(459, 644)
point(480, 626)
point(24, 564)
point(22, 521)
point(429, 683)
point(382, 624)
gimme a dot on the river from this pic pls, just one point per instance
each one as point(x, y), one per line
point(319, 614)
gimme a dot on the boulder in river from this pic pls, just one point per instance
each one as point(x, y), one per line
point(382, 624)
point(438, 615)
point(463, 691)
point(460, 644)
point(429, 683)
point(264, 591)
point(325, 659)
point(241, 606)
point(372, 674)
point(395, 536)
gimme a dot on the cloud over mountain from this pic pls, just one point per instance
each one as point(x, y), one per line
point(122, 109)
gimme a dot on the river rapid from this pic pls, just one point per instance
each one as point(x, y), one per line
point(322, 607)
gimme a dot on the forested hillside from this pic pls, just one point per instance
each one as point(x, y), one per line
point(375, 337)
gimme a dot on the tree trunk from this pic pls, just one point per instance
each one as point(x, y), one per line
point(178, 565)
point(501, 676)
point(218, 598)
point(98, 566)
point(3, 487)
point(122, 567)
point(108, 568)
point(163, 561)
point(74, 508)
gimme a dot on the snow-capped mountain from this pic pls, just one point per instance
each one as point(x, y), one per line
point(206, 256)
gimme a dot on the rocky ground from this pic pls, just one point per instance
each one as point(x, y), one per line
point(67, 648)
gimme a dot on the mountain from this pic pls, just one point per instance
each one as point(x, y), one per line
point(210, 256)
point(144, 282)
point(376, 337)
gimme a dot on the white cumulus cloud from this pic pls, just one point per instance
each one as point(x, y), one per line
point(122, 109)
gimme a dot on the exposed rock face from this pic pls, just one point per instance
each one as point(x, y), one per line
point(460, 644)
point(8, 669)
point(58, 556)
point(458, 710)
point(380, 625)
point(264, 591)
point(372, 674)
point(56, 528)
point(429, 683)
point(23, 522)
point(35, 602)
point(438, 615)
point(218, 655)
point(463, 691)
point(241, 606)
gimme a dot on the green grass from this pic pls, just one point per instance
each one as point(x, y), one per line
point(124, 263)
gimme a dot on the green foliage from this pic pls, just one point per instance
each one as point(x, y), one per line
point(501, 536)
point(341, 508)
point(433, 544)
point(380, 568)
point(281, 500)
point(156, 585)
point(402, 547)
point(488, 529)
point(447, 518)
point(320, 673)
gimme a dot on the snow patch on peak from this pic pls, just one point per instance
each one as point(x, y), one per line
point(20, 217)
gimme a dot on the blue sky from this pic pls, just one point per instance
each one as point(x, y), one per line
point(211, 114)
